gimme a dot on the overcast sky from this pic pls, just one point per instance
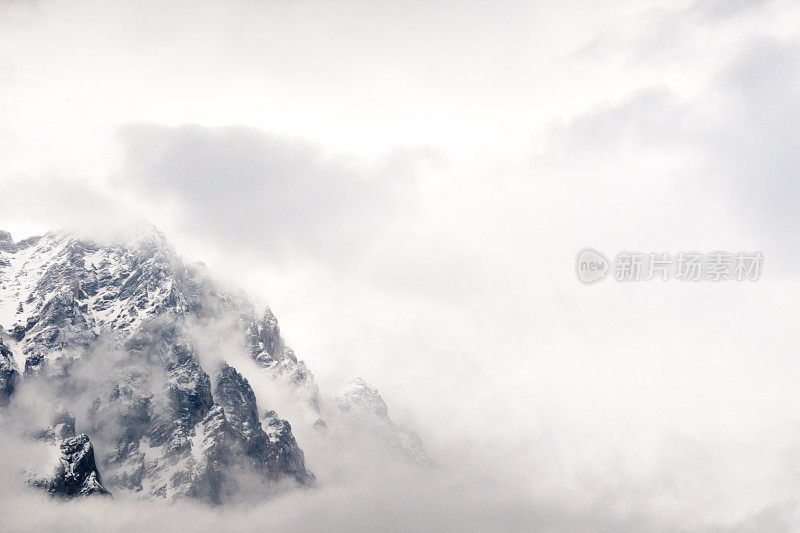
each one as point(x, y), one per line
point(407, 185)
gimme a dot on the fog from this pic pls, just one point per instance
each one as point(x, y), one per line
point(407, 187)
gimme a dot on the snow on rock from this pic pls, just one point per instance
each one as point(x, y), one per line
point(283, 453)
point(268, 349)
point(75, 473)
point(276, 458)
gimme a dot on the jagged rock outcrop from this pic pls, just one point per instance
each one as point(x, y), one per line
point(276, 453)
point(266, 346)
point(283, 453)
point(183, 440)
point(6, 242)
point(9, 373)
point(364, 409)
point(75, 473)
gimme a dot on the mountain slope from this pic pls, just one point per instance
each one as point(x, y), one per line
point(141, 347)
point(113, 327)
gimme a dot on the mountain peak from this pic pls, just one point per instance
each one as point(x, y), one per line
point(124, 327)
point(114, 326)
point(358, 395)
point(363, 408)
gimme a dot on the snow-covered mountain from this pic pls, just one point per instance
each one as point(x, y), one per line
point(131, 346)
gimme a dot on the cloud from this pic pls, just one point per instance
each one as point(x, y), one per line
point(241, 187)
point(46, 202)
point(757, 145)
point(728, 148)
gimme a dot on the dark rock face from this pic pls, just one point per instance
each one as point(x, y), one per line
point(197, 437)
point(283, 453)
point(234, 394)
point(275, 453)
point(8, 374)
point(27, 243)
point(213, 437)
point(264, 337)
point(186, 397)
point(6, 242)
point(76, 473)
point(267, 347)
